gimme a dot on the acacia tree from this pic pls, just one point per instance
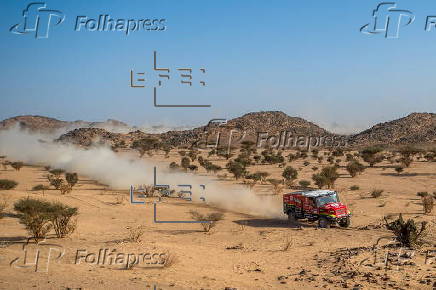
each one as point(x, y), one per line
point(72, 178)
point(290, 174)
point(237, 169)
point(372, 155)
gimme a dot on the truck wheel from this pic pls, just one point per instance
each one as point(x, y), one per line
point(345, 223)
point(291, 217)
point(323, 223)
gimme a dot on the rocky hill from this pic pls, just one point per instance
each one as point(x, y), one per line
point(413, 129)
point(51, 125)
point(416, 128)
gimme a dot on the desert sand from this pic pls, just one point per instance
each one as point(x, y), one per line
point(241, 252)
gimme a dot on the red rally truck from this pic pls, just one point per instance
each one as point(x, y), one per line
point(316, 205)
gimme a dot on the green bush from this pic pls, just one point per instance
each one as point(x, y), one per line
point(40, 216)
point(327, 177)
point(354, 168)
point(40, 187)
point(354, 187)
point(34, 215)
point(304, 183)
point(71, 179)
point(16, 165)
point(61, 215)
point(7, 184)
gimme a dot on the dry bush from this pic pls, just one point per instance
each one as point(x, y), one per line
point(39, 216)
point(376, 193)
point(34, 215)
point(62, 219)
point(65, 188)
point(3, 206)
point(16, 165)
point(427, 203)
point(354, 187)
point(407, 233)
point(55, 180)
point(208, 221)
point(119, 199)
point(40, 187)
point(7, 184)
point(135, 234)
point(289, 242)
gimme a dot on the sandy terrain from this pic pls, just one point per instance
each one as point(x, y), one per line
point(241, 252)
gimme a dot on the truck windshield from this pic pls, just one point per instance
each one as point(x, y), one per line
point(322, 200)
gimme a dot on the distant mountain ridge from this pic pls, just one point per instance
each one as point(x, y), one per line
point(416, 128)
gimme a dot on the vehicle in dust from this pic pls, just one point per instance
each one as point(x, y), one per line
point(323, 206)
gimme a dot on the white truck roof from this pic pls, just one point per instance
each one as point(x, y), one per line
point(314, 193)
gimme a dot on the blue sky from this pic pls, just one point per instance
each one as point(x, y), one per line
point(306, 58)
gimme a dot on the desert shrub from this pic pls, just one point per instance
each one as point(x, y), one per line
point(135, 234)
point(47, 168)
point(145, 145)
point(372, 155)
point(427, 203)
point(3, 206)
point(399, 169)
point(314, 168)
point(422, 193)
point(210, 220)
point(290, 173)
point(55, 180)
point(327, 177)
point(182, 153)
point(277, 185)
point(7, 184)
point(57, 172)
point(193, 155)
point(304, 183)
point(244, 159)
point(193, 167)
point(320, 159)
point(65, 188)
point(185, 162)
point(354, 187)
point(237, 169)
point(174, 165)
point(306, 163)
point(34, 215)
point(71, 179)
point(375, 193)
point(40, 187)
point(61, 216)
point(16, 165)
point(406, 161)
point(407, 233)
point(40, 216)
point(354, 168)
